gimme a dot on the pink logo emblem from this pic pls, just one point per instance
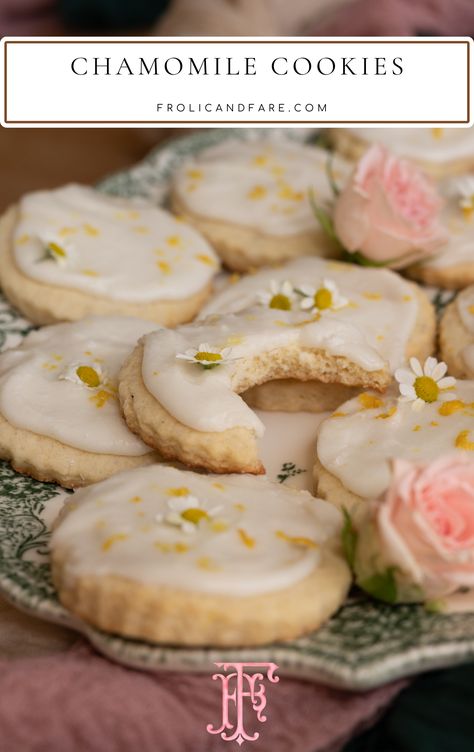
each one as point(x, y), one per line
point(238, 686)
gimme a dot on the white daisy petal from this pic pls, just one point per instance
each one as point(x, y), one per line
point(439, 370)
point(447, 383)
point(418, 405)
point(430, 365)
point(415, 365)
point(447, 396)
point(403, 376)
point(407, 391)
point(306, 304)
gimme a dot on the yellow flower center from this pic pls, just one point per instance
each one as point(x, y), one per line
point(281, 302)
point(194, 515)
point(323, 299)
point(426, 388)
point(88, 376)
point(202, 355)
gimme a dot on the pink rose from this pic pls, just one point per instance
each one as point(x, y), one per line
point(425, 527)
point(389, 211)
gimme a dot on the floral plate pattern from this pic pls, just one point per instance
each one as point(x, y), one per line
point(364, 645)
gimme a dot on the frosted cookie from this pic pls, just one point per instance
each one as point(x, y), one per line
point(393, 315)
point(457, 335)
point(71, 252)
point(251, 200)
point(59, 413)
point(175, 557)
point(440, 151)
point(357, 444)
point(180, 388)
point(452, 266)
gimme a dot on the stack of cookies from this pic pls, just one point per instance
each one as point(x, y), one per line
point(141, 386)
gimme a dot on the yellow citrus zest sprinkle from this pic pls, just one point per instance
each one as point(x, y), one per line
point(89, 273)
point(202, 355)
point(234, 339)
point(219, 526)
point(194, 515)
point(204, 258)
point(417, 428)
point(219, 486)
point(65, 231)
point(178, 491)
point(388, 414)
point(116, 538)
point(370, 401)
point(91, 230)
point(260, 160)
point(296, 540)
point(338, 414)
point(194, 174)
point(455, 406)
point(407, 298)
point(257, 193)
point(434, 423)
point(437, 132)
point(246, 539)
point(141, 230)
point(136, 500)
point(23, 239)
point(174, 241)
point(206, 563)
point(164, 267)
point(240, 507)
point(372, 295)
point(88, 376)
point(471, 309)
point(287, 193)
point(101, 398)
point(463, 441)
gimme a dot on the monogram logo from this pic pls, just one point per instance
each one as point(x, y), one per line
point(243, 689)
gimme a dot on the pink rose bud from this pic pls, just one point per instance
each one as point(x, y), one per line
point(389, 211)
point(418, 542)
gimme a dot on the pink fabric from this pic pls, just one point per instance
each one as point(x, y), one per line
point(400, 18)
point(24, 17)
point(78, 700)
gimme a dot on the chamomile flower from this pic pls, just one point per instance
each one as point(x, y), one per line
point(54, 250)
point(322, 298)
point(186, 512)
point(207, 356)
point(464, 190)
point(425, 384)
point(84, 374)
point(280, 295)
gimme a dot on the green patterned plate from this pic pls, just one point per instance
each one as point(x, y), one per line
point(366, 644)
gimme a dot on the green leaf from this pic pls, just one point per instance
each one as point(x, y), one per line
point(349, 538)
point(381, 585)
point(324, 220)
point(358, 258)
point(332, 180)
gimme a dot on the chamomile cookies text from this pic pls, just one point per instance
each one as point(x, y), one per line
point(175, 557)
point(74, 251)
point(59, 413)
point(251, 200)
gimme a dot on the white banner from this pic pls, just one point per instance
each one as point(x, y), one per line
point(86, 81)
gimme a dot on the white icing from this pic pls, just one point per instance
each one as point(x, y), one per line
point(38, 391)
point(459, 248)
point(118, 527)
point(264, 187)
point(465, 306)
point(205, 399)
point(437, 145)
point(115, 248)
point(357, 444)
point(377, 298)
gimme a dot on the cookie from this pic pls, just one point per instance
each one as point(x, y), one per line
point(251, 200)
point(457, 335)
point(59, 413)
point(395, 317)
point(452, 267)
point(72, 252)
point(440, 151)
point(180, 388)
point(175, 557)
point(357, 444)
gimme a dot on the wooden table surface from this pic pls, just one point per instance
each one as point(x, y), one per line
point(35, 158)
